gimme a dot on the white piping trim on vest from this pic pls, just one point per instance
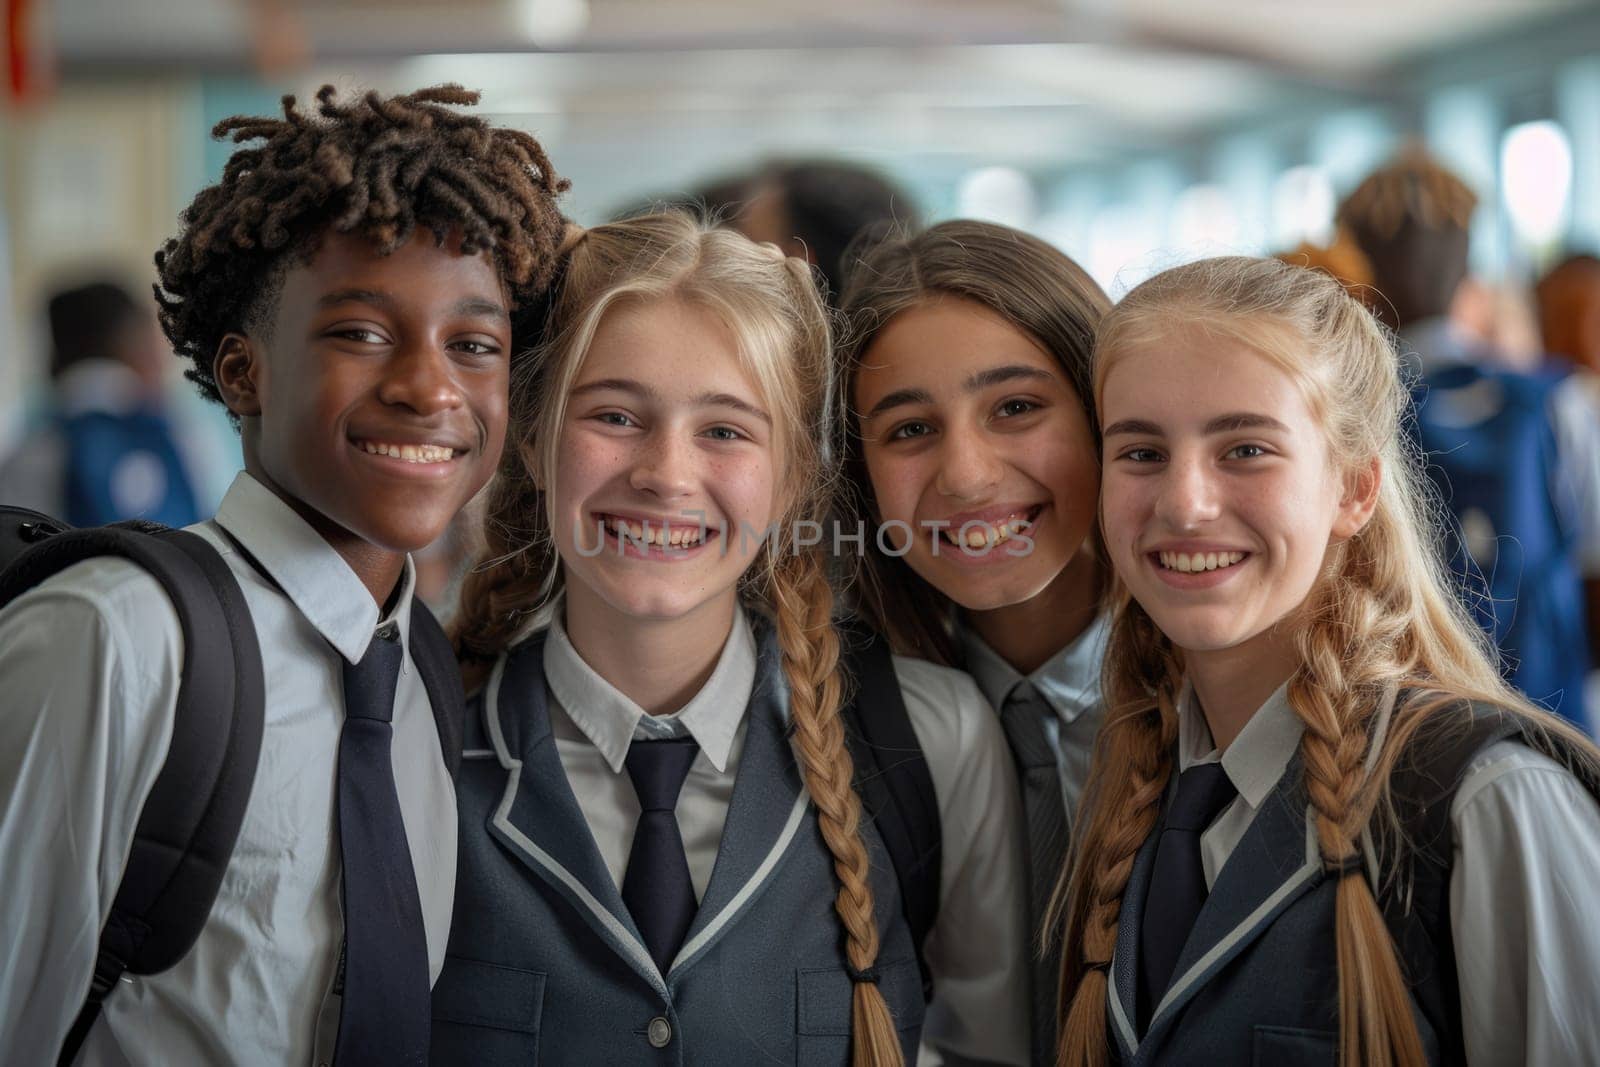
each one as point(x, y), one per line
point(478, 753)
point(502, 819)
point(1312, 865)
point(757, 879)
point(1130, 1039)
point(491, 714)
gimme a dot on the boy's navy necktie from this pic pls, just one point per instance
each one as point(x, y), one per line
point(656, 885)
point(384, 1014)
point(1177, 881)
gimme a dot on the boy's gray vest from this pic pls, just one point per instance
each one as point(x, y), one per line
point(546, 965)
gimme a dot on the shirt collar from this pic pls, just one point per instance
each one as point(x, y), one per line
point(314, 577)
point(610, 720)
point(1429, 344)
point(1069, 681)
point(99, 385)
point(1256, 760)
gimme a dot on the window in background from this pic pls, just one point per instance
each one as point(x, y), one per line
point(998, 194)
point(1121, 239)
point(1302, 207)
point(1461, 126)
point(1246, 165)
point(1577, 100)
point(1349, 145)
point(1070, 213)
point(1536, 184)
point(1204, 223)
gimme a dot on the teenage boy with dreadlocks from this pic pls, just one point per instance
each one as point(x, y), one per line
point(347, 290)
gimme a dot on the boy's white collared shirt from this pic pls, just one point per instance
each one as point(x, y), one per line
point(89, 663)
point(1527, 859)
point(977, 946)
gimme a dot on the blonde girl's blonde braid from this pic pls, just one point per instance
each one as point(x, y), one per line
point(803, 603)
point(1132, 766)
point(1376, 1024)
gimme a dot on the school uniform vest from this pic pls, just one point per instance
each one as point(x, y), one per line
point(546, 965)
point(1258, 979)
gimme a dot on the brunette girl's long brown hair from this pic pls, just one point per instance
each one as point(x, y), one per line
point(1384, 619)
point(771, 306)
point(1025, 281)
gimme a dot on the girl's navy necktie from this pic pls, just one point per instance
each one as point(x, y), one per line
point(1177, 881)
point(656, 886)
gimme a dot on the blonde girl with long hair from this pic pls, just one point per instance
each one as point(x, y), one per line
point(970, 447)
point(1320, 828)
point(664, 858)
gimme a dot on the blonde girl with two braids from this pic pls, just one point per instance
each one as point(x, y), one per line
point(664, 857)
point(1394, 861)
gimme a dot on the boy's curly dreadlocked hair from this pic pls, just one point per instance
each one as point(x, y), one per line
point(377, 166)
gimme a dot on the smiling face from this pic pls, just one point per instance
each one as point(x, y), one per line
point(666, 469)
point(1220, 499)
point(375, 401)
point(975, 440)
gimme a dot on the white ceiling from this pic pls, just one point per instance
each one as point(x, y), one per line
point(1336, 37)
point(635, 96)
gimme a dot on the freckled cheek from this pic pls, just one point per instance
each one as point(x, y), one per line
point(745, 487)
point(586, 467)
point(899, 485)
point(1126, 503)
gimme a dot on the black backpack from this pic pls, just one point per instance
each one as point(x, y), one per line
point(891, 776)
point(1416, 905)
point(191, 819)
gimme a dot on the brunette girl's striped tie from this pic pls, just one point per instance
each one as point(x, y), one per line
point(1024, 716)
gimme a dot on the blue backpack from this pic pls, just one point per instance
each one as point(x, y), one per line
point(1491, 448)
point(124, 466)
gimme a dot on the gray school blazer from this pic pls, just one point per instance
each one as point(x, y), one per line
point(545, 964)
point(1258, 979)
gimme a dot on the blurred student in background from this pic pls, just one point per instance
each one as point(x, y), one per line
point(107, 450)
point(1340, 259)
point(1569, 322)
point(1569, 311)
point(813, 209)
point(1516, 454)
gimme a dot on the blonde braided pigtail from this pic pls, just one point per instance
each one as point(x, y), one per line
point(1132, 765)
point(1376, 1024)
point(803, 605)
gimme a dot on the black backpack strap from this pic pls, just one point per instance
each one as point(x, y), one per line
point(893, 781)
point(190, 821)
point(1416, 902)
point(436, 662)
point(21, 529)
